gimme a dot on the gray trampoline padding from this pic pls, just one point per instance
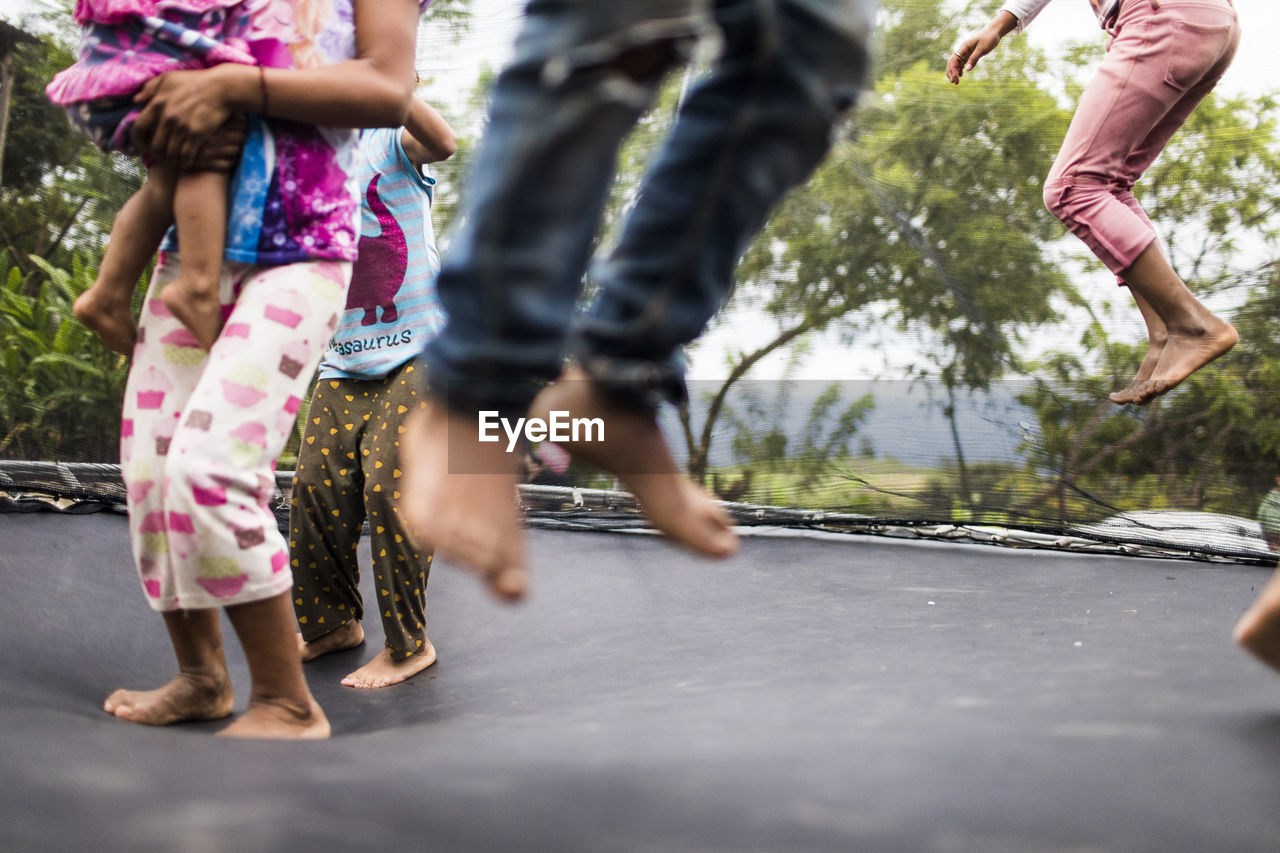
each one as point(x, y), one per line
point(813, 693)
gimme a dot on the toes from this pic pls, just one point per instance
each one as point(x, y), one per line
point(723, 543)
point(510, 583)
point(122, 712)
point(114, 702)
point(1151, 389)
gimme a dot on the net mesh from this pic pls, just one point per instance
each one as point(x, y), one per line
point(914, 346)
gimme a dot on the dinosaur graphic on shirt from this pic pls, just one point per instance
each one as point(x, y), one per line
point(380, 266)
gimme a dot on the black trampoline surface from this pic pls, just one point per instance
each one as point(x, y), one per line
point(814, 693)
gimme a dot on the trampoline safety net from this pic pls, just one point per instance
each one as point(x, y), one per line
point(914, 345)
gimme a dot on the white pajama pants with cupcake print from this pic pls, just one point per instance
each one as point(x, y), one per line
point(201, 431)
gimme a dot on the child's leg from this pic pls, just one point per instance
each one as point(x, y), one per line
point(140, 226)
point(280, 703)
point(400, 569)
point(1194, 335)
point(1157, 336)
point(1155, 74)
point(200, 212)
point(1259, 628)
point(200, 691)
point(325, 520)
point(225, 548)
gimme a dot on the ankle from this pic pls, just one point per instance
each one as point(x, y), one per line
point(211, 679)
point(296, 708)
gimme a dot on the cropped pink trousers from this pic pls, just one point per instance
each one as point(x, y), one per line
point(1164, 58)
point(201, 431)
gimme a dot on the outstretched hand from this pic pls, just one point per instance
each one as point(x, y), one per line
point(969, 52)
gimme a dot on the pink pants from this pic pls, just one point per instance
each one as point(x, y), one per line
point(201, 432)
point(1164, 58)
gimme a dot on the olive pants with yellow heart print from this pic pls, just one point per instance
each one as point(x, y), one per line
point(348, 470)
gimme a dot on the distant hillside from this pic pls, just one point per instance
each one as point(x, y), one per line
point(907, 422)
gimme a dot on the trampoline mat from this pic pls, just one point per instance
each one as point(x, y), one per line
point(814, 693)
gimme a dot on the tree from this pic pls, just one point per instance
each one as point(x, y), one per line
point(62, 389)
point(60, 193)
point(1213, 444)
point(926, 215)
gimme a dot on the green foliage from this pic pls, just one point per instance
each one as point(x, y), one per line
point(927, 215)
point(1213, 444)
point(39, 140)
point(60, 194)
point(1214, 190)
point(62, 388)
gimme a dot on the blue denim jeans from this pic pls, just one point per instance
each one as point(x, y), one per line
point(753, 127)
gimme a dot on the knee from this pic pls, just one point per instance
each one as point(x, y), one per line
point(1055, 199)
point(187, 481)
point(196, 478)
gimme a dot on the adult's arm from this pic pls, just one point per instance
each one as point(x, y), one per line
point(427, 137)
point(184, 108)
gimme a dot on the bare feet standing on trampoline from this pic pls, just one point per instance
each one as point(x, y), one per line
point(349, 467)
point(381, 671)
point(188, 696)
point(1163, 59)
point(201, 429)
point(754, 127)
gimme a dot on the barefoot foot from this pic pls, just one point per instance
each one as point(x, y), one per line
point(186, 697)
point(110, 319)
point(197, 308)
point(383, 671)
point(1128, 394)
point(1184, 354)
point(270, 720)
point(460, 497)
point(1131, 393)
point(634, 449)
point(348, 635)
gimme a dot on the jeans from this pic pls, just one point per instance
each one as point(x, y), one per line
point(585, 70)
